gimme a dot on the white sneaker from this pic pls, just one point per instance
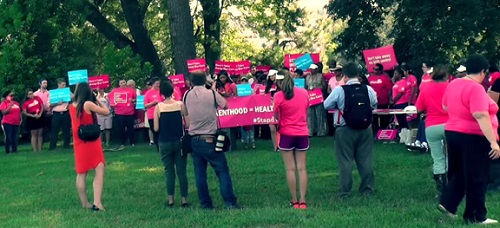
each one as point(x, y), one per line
point(489, 221)
point(417, 143)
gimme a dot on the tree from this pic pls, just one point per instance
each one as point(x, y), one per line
point(439, 31)
point(181, 31)
point(134, 14)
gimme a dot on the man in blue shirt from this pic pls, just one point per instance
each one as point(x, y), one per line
point(352, 145)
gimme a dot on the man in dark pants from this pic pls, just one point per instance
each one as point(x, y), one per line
point(202, 128)
point(353, 145)
point(60, 119)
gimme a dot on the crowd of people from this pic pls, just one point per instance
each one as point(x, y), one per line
point(460, 126)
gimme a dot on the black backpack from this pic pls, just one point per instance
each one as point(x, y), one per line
point(357, 108)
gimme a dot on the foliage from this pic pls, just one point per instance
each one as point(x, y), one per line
point(438, 31)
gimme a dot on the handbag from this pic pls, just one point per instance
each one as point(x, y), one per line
point(89, 132)
point(186, 144)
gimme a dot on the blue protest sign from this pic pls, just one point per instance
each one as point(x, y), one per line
point(139, 103)
point(304, 62)
point(300, 82)
point(77, 76)
point(244, 90)
point(59, 95)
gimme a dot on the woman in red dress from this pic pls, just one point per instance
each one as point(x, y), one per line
point(88, 154)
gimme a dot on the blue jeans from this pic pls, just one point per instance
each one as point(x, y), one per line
point(11, 133)
point(204, 153)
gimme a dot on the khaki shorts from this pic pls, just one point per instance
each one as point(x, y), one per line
point(105, 122)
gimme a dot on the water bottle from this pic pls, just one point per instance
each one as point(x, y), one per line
point(219, 144)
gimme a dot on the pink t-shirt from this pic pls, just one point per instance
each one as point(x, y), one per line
point(430, 100)
point(44, 96)
point(412, 83)
point(463, 97)
point(426, 78)
point(333, 83)
point(13, 117)
point(400, 86)
point(381, 85)
point(121, 100)
point(150, 96)
point(177, 94)
point(292, 114)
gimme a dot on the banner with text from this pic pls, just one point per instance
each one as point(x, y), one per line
point(383, 55)
point(178, 80)
point(290, 60)
point(246, 111)
point(59, 95)
point(233, 68)
point(264, 69)
point(139, 103)
point(99, 82)
point(77, 76)
point(315, 97)
point(196, 65)
point(300, 82)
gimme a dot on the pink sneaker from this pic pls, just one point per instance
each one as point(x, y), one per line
point(302, 205)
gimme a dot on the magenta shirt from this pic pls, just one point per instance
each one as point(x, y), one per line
point(430, 100)
point(121, 100)
point(463, 97)
point(292, 114)
point(400, 86)
point(150, 96)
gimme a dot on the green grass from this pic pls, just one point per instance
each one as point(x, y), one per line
point(37, 190)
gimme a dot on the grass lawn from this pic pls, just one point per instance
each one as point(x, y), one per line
point(38, 190)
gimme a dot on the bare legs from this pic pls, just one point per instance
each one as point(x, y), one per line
point(273, 136)
point(98, 187)
point(106, 134)
point(37, 139)
point(295, 163)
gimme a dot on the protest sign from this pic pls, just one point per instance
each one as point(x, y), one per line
point(245, 111)
point(315, 97)
point(77, 76)
point(196, 65)
point(244, 90)
point(59, 95)
point(383, 55)
point(99, 82)
point(300, 82)
point(139, 103)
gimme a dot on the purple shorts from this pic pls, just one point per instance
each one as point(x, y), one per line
point(288, 142)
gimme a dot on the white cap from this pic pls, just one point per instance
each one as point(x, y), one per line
point(280, 77)
point(430, 70)
point(272, 72)
point(461, 69)
point(313, 66)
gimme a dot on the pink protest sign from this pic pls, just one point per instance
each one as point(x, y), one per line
point(244, 111)
point(139, 119)
point(383, 55)
point(290, 60)
point(178, 80)
point(196, 65)
point(119, 99)
point(240, 67)
point(315, 97)
point(264, 69)
point(99, 82)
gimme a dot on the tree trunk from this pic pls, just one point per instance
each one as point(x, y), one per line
point(211, 24)
point(181, 32)
point(135, 19)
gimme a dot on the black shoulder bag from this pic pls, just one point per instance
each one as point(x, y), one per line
point(89, 132)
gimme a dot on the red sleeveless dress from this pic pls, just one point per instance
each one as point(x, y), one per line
point(87, 154)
